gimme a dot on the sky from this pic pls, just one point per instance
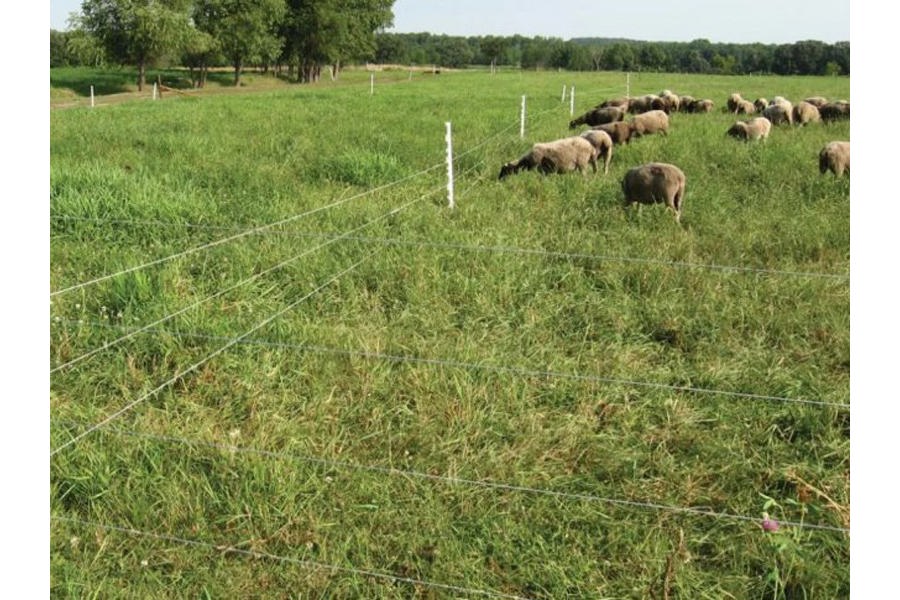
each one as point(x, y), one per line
point(650, 20)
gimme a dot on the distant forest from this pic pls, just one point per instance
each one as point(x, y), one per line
point(809, 57)
point(205, 40)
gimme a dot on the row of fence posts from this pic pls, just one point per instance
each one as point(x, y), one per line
point(451, 203)
point(155, 94)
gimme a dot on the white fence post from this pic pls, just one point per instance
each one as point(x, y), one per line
point(450, 202)
point(371, 84)
point(563, 99)
point(92, 96)
point(522, 120)
point(154, 91)
point(572, 101)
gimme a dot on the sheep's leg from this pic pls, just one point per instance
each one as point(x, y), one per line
point(608, 158)
point(677, 202)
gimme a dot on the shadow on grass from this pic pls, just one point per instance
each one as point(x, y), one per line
point(121, 80)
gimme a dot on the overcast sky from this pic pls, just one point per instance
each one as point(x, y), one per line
point(652, 20)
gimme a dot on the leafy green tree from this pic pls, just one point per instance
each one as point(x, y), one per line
point(493, 48)
point(245, 30)
point(329, 32)
point(137, 32)
point(200, 51)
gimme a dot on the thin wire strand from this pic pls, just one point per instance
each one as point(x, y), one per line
point(392, 471)
point(500, 249)
point(518, 371)
point(108, 345)
point(239, 235)
point(501, 132)
point(207, 358)
point(285, 559)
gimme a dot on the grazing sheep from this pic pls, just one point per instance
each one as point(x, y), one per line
point(778, 114)
point(835, 156)
point(603, 143)
point(817, 101)
point(642, 104)
point(702, 106)
point(834, 111)
point(655, 121)
point(655, 183)
point(560, 156)
point(621, 102)
point(784, 103)
point(669, 102)
point(805, 112)
point(744, 107)
point(754, 129)
point(619, 132)
point(760, 104)
point(598, 116)
point(733, 101)
point(686, 103)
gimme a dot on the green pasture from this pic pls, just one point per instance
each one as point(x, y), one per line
point(366, 394)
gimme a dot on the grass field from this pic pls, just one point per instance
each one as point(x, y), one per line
point(365, 394)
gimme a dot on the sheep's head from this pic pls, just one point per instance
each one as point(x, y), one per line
point(507, 169)
point(738, 130)
point(574, 123)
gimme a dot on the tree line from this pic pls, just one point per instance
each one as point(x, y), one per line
point(809, 57)
point(304, 36)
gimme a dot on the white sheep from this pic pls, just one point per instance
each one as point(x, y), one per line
point(835, 156)
point(754, 129)
point(806, 112)
point(602, 141)
point(655, 183)
point(559, 156)
point(733, 101)
point(778, 114)
point(655, 121)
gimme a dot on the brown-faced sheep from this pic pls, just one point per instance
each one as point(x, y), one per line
point(655, 121)
point(702, 106)
point(619, 132)
point(733, 101)
point(670, 102)
point(655, 183)
point(834, 111)
point(778, 114)
point(754, 129)
point(598, 116)
point(642, 104)
point(835, 156)
point(784, 103)
point(559, 156)
point(805, 112)
point(817, 101)
point(744, 107)
point(760, 104)
point(686, 103)
point(603, 143)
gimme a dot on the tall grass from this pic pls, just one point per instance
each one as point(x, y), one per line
point(539, 336)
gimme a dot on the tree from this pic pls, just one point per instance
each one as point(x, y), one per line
point(200, 50)
point(320, 32)
point(493, 47)
point(137, 32)
point(245, 30)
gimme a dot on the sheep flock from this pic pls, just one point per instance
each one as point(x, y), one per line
point(622, 120)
